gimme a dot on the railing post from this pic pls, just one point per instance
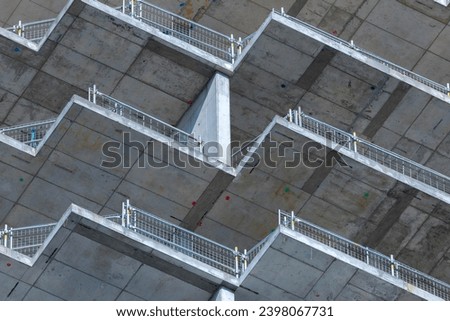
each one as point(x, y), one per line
point(124, 3)
point(239, 48)
point(236, 259)
point(355, 142)
point(282, 11)
point(392, 265)
point(245, 260)
point(232, 48)
point(367, 255)
point(19, 29)
point(279, 217)
point(300, 123)
point(133, 3)
point(5, 233)
point(292, 220)
point(448, 89)
point(290, 115)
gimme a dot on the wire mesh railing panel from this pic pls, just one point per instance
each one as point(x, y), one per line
point(366, 255)
point(28, 240)
point(143, 119)
point(350, 45)
point(30, 134)
point(33, 31)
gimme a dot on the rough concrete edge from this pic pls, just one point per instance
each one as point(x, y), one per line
point(353, 52)
point(82, 213)
point(434, 192)
point(358, 264)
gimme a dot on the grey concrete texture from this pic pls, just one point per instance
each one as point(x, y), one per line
point(162, 82)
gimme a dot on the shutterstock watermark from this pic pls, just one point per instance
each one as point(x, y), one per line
point(272, 153)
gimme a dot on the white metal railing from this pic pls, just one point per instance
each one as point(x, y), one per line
point(371, 151)
point(25, 240)
point(221, 46)
point(142, 118)
point(371, 257)
point(228, 260)
point(33, 31)
point(31, 133)
point(243, 150)
point(445, 89)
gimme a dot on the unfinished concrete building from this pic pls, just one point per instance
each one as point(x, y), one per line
point(224, 150)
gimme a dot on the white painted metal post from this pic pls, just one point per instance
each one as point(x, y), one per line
point(245, 260)
point(94, 94)
point(124, 213)
point(292, 220)
point(290, 115)
point(448, 89)
point(124, 3)
point(236, 258)
point(367, 255)
point(133, 7)
point(282, 11)
point(232, 48)
point(128, 212)
point(355, 149)
point(392, 265)
point(279, 217)
point(300, 123)
point(5, 236)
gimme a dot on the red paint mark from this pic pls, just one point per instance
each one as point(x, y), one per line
point(8, 264)
point(199, 223)
point(334, 32)
point(190, 102)
point(227, 198)
point(194, 203)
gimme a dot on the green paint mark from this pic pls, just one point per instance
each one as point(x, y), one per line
point(286, 189)
point(366, 195)
point(21, 179)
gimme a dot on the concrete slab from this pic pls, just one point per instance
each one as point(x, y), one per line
point(375, 286)
point(258, 289)
point(12, 289)
point(14, 182)
point(298, 278)
point(432, 125)
point(430, 8)
point(78, 177)
point(36, 294)
point(353, 293)
point(387, 45)
point(407, 111)
point(15, 75)
point(87, 288)
point(335, 20)
point(7, 101)
point(402, 231)
point(313, 12)
point(25, 111)
point(405, 22)
point(151, 284)
point(439, 163)
point(83, 71)
point(5, 207)
point(125, 296)
point(52, 207)
point(279, 59)
point(350, 6)
point(434, 67)
point(423, 257)
point(414, 151)
point(441, 270)
point(20, 216)
point(303, 253)
point(333, 281)
point(29, 11)
point(114, 51)
point(167, 76)
point(97, 260)
point(439, 45)
point(150, 100)
point(235, 14)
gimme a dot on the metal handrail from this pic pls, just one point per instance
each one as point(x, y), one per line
point(30, 133)
point(445, 89)
point(33, 31)
point(221, 46)
point(371, 151)
point(371, 257)
point(187, 242)
point(142, 118)
point(25, 240)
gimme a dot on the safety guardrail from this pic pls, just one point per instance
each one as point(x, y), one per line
point(366, 255)
point(445, 89)
point(31, 133)
point(142, 118)
point(221, 46)
point(25, 240)
point(371, 151)
point(33, 31)
point(228, 260)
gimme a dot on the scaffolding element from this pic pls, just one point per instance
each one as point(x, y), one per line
point(371, 257)
point(221, 46)
point(141, 118)
point(31, 134)
point(337, 42)
point(373, 152)
point(25, 240)
point(33, 31)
